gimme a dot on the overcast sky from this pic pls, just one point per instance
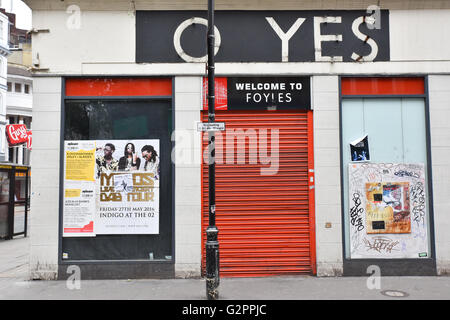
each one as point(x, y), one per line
point(22, 11)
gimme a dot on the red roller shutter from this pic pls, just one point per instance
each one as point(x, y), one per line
point(265, 222)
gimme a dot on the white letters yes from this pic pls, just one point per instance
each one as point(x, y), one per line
point(285, 37)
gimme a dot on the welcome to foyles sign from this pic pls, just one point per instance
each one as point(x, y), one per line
point(263, 36)
point(248, 93)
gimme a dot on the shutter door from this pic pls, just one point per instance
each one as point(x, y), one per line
point(265, 222)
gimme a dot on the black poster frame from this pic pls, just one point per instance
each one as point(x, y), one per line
point(115, 269)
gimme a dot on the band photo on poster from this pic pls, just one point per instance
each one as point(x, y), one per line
point(137, 155)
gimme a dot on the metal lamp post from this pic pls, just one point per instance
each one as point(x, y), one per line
point(212, 244)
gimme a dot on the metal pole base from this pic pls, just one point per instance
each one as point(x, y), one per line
point(212, 264)
point(212, 291)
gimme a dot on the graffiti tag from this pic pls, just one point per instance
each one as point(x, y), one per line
point(418, 202)
point(381, 244)
point(404, 173)
point(356, 212)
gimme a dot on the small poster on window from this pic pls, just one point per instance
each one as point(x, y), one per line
point(127, 178)
point(359, 149)
point(111, 187)
point(79, 189)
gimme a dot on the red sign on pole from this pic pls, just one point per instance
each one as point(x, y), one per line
point(220, 93)
point(18, 134)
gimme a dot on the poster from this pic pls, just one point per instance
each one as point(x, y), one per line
point(79, 189)
point(387, 211)
point(111, 187)
point(359, 149)
point(127, 184)
point(387, 207)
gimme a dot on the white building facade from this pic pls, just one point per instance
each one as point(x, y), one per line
point(95, 63)
point(4, 53)
point(19, 108)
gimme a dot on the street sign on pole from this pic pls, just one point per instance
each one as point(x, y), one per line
point(210, 126)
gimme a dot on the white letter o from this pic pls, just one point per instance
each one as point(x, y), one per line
point(177, 39)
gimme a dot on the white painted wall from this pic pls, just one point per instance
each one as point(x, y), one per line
point(439, 93)
point(45, 157)
point(187, 177)
point(325, 95)
point(419, 35)
point(83, 37)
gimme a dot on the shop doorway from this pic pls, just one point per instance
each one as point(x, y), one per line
point(14, 200)
point(264, 193)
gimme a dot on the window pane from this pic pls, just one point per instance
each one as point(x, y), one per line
point(414, 137)
point(19, 196)
point(396, 134)
point(382, 121)
point(18, 87)
point(124, 120)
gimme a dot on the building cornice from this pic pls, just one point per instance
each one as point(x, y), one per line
point(4, 51)
point(132, 5)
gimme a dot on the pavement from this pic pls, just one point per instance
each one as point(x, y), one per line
point(15, 284)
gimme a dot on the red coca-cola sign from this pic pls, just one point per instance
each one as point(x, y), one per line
point(17, 134)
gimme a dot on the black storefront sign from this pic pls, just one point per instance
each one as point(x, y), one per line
point(268, 93)
point(264, 36)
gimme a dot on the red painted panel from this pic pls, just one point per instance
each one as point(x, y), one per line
point(382, 86)
point(311, 194)
point(221, 94)
point(98, 87)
